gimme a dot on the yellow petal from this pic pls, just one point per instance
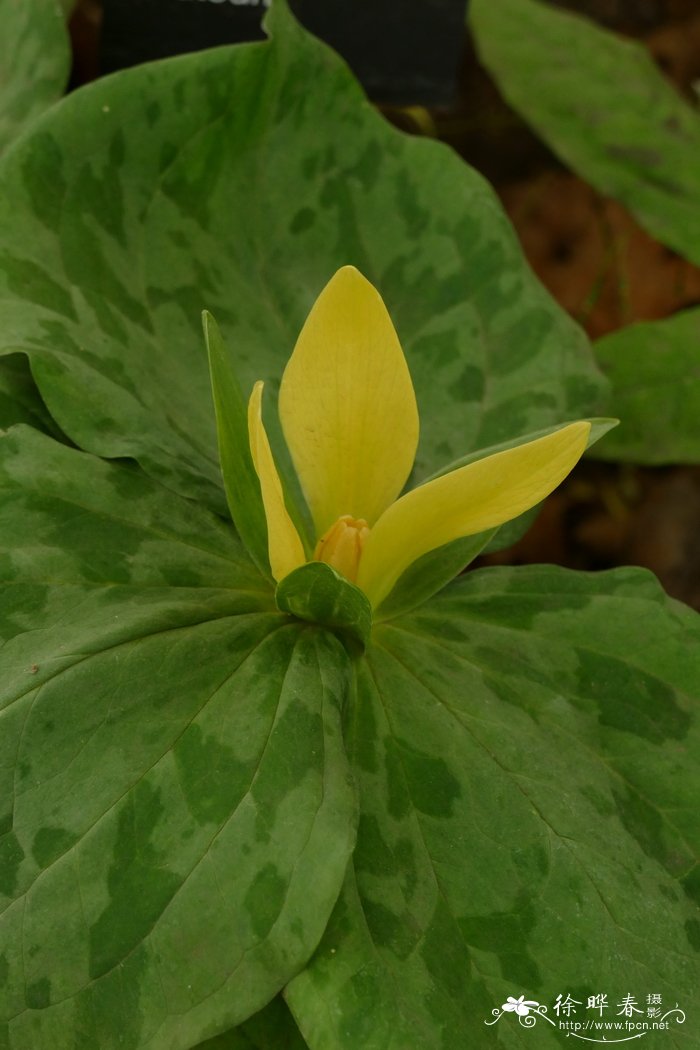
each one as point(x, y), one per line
point(471, 499)
point(347, 405)
point(285, 549)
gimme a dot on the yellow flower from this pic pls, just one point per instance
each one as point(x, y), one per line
point(349, 416)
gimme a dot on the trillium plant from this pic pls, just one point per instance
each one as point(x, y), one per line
point(280, 768)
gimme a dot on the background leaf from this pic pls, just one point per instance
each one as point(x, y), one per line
point(602, 105)
point(34, 62)
point(233, 187)
point(177, 812)
point(34, 67)
point(655, 375)
point(526, 752)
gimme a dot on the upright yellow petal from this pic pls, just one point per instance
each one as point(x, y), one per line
point(471, 499)
point(347, 405)
point(285, 549)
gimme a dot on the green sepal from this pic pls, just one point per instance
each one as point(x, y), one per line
point(317, 593)
point(240, 479)
point(431, 573)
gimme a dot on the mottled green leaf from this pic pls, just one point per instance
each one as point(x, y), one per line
point(218, 180)
point(603, 106)
point(526, 750)
point(34, 62)
point(316, 592)
point(177, 813)
point(654, 371)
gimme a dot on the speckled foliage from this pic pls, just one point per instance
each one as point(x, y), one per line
point(601, 103)
point(34, 62)
point(603, 106)
point(34, 65)
point(221, 180)
point(655, 377)
point(207, 803)
point(526, 772)
point(180, 807)
point(173, 771)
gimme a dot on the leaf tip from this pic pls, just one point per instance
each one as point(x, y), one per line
point(599, 427)
point(277, 15)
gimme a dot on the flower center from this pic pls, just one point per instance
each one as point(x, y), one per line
point(341, 545)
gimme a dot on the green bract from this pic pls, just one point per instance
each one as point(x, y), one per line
point(207, 801)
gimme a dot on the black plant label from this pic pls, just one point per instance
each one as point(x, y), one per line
point(403, 51)
point(135, 31)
